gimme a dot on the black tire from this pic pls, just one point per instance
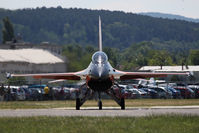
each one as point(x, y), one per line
point(77, 103)
point(100, 105)
point(122, 103)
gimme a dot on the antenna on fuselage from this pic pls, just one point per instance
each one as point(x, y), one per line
point(100, 35)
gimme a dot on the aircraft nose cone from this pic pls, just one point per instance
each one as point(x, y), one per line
point(103, 72)
point(99, 72)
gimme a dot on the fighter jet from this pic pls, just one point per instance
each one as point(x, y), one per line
point(100, 77)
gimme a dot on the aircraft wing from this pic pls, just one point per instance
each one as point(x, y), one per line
point(57, 76)
point(134, 75)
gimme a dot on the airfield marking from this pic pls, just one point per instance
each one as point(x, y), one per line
point(107, 111)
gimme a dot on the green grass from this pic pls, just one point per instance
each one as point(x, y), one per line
point(150, 124)
point(36, 104)
point(91, 103)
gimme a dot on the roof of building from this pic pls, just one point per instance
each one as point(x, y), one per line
point(36, 56)
point(170, 68)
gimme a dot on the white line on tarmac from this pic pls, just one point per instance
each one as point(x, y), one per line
point(106, 112)
point(134, 108)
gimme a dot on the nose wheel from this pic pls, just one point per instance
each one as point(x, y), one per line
point(100, 105)
point(99, 101)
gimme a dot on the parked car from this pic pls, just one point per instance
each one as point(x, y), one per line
point(73, 93)
point(195, 88)
point(151, 93)
point(122, 91)
point(37, 94)
point(175, 93)
point(28, 92)
point(61, 93)
point(131, 94)
point(143, 93)
point(138, 93)
point(38, 91)
point(185, 92)
point(162, 92)
point(41, 87)
point(131, 91)
point(17, 93)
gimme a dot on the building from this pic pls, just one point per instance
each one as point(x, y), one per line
point(30, 61)
point(192, 69)
point(44, 45)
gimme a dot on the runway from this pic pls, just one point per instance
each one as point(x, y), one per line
point(107, 111)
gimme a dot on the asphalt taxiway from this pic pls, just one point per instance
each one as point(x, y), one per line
point(106, 111)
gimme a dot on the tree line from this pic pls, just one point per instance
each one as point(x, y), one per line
point(130, 59)
point(80, 26)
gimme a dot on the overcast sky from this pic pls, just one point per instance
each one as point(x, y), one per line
point(188, 8)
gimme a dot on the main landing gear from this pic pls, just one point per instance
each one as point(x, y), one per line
point(77, 103)
point(81, 101)
point(118, 99)
point(122, 104)
point(89, 93)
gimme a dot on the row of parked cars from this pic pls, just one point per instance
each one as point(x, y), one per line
point(37, 93)
point(20, 93)
point(162, 91)
point(130, 91)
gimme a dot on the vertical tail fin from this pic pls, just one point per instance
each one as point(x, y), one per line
point(100, 35)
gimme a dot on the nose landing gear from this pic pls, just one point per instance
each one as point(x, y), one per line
point(99, 101)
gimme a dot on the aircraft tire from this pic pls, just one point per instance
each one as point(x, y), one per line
point(122, 103)
point(77, 103)
point(100, 105)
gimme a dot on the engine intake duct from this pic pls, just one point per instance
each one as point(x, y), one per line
point(100, 85)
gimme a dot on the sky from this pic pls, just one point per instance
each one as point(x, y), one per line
point(187, 8)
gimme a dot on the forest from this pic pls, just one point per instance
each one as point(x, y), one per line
point(130, 40)
point(130, 58)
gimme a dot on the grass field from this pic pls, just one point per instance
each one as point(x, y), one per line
point(93, 103)
point(150, 124)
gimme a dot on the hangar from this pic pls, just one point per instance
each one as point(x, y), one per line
point(170, 68)
point(192, 69)
point(30, 61)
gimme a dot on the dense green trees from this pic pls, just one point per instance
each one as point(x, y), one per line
point(80, 26)
point(17, 80)
point(160, 58)
point(78, 57)
point(7, 31)
point(131, 58)
point(194, 57)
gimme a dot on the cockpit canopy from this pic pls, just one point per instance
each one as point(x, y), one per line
point(99, 58)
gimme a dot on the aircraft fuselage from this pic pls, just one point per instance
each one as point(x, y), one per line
point(99, 68)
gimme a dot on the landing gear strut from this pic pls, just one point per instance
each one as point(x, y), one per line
point(81, 101)
point(100, 105)
point(77, 103)
point(119, 99)
point(122, 104)
point(99, 101)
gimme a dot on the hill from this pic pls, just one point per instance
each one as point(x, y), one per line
point(169, 16)
point(80, 26)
